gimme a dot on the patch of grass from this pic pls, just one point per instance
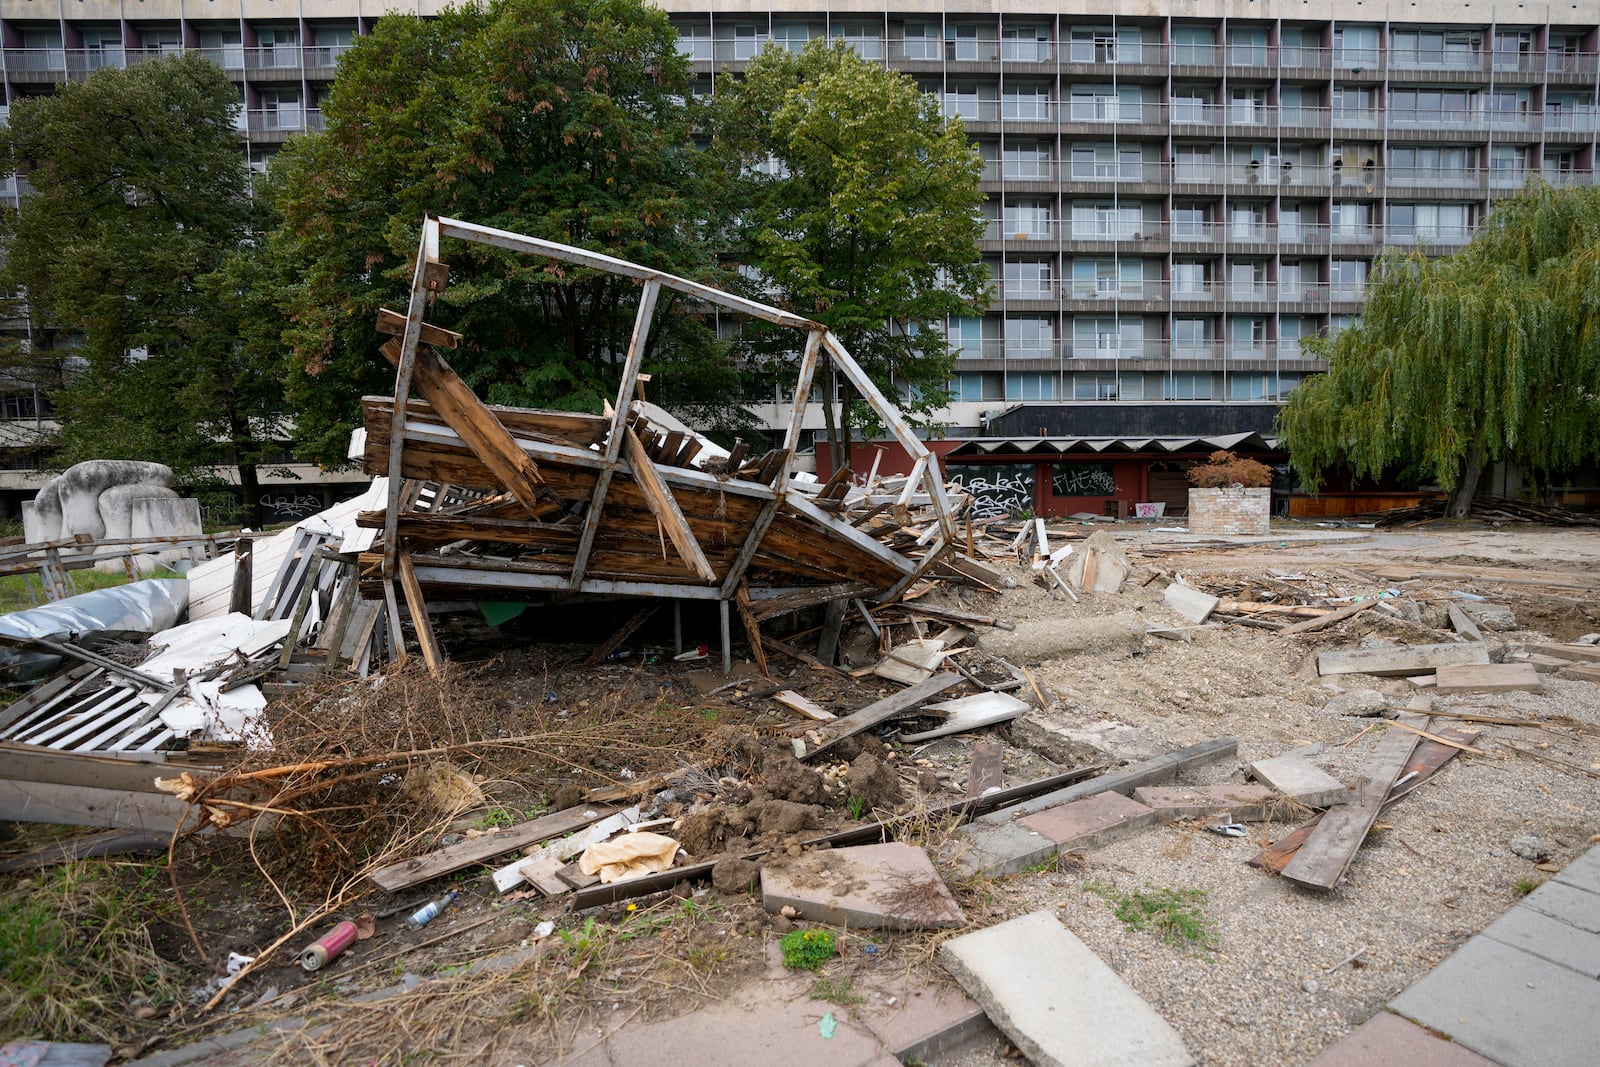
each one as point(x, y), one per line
point(807, 950)
point(840, 991)
point(857, 807)
point(1526, 885)
point(18, 592)
point(74, 949)
point(1173, 913)
point(496, 817)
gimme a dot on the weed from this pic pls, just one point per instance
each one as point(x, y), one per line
point(806, 950)
point(838, 991)
point(706, 957)
point(857, 806)
point(495, 818)
point(1527, 885)
point(74, 945)
point(1173, 913)
point(587, 943)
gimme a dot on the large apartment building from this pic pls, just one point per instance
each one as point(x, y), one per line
point(1178, 194)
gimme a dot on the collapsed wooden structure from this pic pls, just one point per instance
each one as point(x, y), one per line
point(507, 503)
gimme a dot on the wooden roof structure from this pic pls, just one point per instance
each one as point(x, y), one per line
point(512, 503)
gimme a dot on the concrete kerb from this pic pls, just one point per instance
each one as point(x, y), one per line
point(997, 846)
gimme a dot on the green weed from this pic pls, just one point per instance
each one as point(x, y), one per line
point(857, 807)
point(806, 950)
point(838, 991)
point(1526, 885)
point(1173, 913)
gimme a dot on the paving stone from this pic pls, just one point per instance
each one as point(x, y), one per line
point(1300, 781)
point(1513, 1007)
point(923, 1022)
point(1583, 872)
point(1488, 678)
point(1096, 820)
point(998, 849)
point(885, 887)
point(1533, 931)
point(1242, 802)
point(1191, 603)
point(1387, 1038)
point(1056, 1000)
point(1573, 906)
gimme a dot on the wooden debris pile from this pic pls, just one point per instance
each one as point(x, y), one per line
point(1495, 511)
point(493, 502)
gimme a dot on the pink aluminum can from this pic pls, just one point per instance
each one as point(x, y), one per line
point(335, 941)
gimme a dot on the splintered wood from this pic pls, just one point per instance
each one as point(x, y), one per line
point(512, 503)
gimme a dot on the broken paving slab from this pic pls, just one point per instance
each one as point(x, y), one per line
point(1072, 745)
point(1300, 781)
point(1488, 678)
point(1404, 659)
point(1243, 803)
point(1387, 1038)
point(883, 887)
point(1190, 602)
point(1096, 820)
point(1056, 1000)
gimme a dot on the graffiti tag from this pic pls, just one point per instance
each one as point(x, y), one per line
point(1085, 480)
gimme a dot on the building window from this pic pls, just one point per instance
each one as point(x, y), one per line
point(1355, 47)
point(1027, 220)
point(1347, 278)
point(1026, 103)
point(975, 387)
point(1107, 337)
point(1030, 338)
point(1025, 44)
point(1027, 161)
point(1030, 386)
point(1250, 387)
point(1181, 385)
point(1191, 337)
point(1194, 45)
point(865, 38)
point(1029, 279)
point(1094, 387)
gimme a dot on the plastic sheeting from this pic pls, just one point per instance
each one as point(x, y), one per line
point(146, 607)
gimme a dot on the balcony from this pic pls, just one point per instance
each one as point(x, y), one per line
point(1111, 290)
point(1045, 230)
point(1429, 236)
point(1113, 347)
point(275, 123)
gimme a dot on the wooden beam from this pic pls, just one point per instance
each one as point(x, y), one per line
point(470, 853)
point(404, 367)
point(883, 710)
point(752, 629)
point(619, 417)
point(614, 642)
point(664, 506)
point(1329, 619)
point(393, 324)
point(479, 430)
point(419, 616)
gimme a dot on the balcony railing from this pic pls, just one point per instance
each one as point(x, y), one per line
point(1115, 347)
point(61, 64)
point(283, 120)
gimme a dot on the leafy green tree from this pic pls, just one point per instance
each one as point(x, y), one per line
point(1490, 354)
point(563, 119)
point(865, 216)
point(140, 202)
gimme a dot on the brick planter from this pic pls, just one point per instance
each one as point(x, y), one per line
point(1230, 512)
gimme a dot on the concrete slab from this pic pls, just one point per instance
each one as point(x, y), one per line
point(1192, 604)
point(1573, 906)
point(1387, 1038)
point(1242, 803)
point(1096, 820)
point(1548, 938)
point(1583, 872)
point(1300, 781)
point(1056, 1000)
point(1488, 678)
point(999, 849)
point(883, 887)
point(1506, 1004)
point(1408, 659)
point(923, 1022)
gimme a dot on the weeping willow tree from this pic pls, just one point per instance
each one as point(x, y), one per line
point(1490, 354)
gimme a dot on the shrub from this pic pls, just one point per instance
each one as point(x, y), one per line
point(1224, 470)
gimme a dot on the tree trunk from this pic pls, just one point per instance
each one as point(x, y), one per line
point(250, 489)
point(1460, 503)
point(829, 425)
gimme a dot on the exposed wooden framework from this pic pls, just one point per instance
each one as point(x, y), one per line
point(556, 503)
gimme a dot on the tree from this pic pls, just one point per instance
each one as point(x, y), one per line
point(563, 119)
point(140, 198)
point(867, 218)
point(1489, 354)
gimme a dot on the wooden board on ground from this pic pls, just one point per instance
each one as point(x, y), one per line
point(804, 705)
point(79, 805)
point(1327, 852)
point(1591, 653)
point(988, 768)
point(1488, 678)
point(911, 662)
point(1462, 624)
point(1426, 759)
point(1584, 672)
point(437, 864)
point(882, 711)
point(540, 866)
point(1329, 619)
point(1300, 781)
point(970, 713)
point(1411, 659)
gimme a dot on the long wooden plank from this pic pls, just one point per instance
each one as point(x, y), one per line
point(752, 629)
point(35, 763)
point(1329, 619)
point(574, 427)
point(464, 413)
point(81, 805)
point(1329, 849)
point(664, 507)
point(437, 864)
point(882, 711)
point(1409, 659)
point(1425, 762)
point(393, 324)
point(420, 622)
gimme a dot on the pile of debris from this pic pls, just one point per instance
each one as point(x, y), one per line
point(1492, 511)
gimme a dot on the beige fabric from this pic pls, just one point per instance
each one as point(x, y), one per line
point(628, 856)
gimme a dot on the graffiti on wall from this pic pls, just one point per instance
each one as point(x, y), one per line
point(997, 489)
point(290, 507)
point(1083, 479)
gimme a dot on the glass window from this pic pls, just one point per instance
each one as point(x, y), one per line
point(1348, 277)
point(966, 337)
point(1027, 220)
point(1026, 103)
point(1191, 336)
point(1029, 279)
point(1355, 46)
point(978, 386)
point(1025, 43)
point(1026, 161)
point(1247, 46)
point(1130, 386)
point(865, 38)
point(1094, 387)
point(1250, 387)
point(1030, 338)
point(1188, 279)
point(1194, 44)
point(1182, 385)
point(1030, 386)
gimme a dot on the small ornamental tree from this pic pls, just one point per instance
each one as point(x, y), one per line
point(1224, 470)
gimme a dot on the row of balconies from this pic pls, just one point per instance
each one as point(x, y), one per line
point(1238, 232)
point(1198, 118)
point(1105, 293)
point(1123, 348)
point(1260, 60)
point(1279, 174)
point(73, 64)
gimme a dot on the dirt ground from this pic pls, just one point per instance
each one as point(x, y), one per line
point(1279, 974)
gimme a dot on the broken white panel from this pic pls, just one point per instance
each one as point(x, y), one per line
point(970, 713)
point(206, 643)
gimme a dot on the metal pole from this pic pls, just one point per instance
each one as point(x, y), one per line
point(727, 639)
point(677, 626)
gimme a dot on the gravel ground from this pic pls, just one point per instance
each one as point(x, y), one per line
point(1279, 985)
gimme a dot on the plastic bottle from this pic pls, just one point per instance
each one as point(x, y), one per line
point(429, 911)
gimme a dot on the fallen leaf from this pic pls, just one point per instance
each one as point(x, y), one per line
point(366, 925)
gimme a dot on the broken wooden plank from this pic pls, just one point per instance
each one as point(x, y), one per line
point(882, 711)
point(393, 324)
point(614, 642)
point(1590, 653)
point(664, 506)
point(832, 623)
point(911, 662)
point(1391, 662)
point(1322, 861)
point(799, 655)
point(752, 628)
point(431, 656)
point(539, 866)
point(988, 768)
point(1488, 678)
point(805, 706)
point(952, 615)
point(1462, 623)
point(451, 858)
point(1329, 619)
